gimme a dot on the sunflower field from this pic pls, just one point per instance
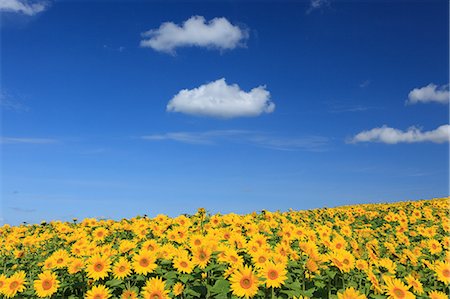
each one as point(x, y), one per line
point(397, 250)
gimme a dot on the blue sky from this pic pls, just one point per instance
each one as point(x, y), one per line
point(322, 103)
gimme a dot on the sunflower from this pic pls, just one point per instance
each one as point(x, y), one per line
point(144, 262)
point(437, 295)
point(98, 292)
point(75, 265)
point(2, 282)
point(126, 245)
point(98, 267)
point(342, 259)
point(99, 234)
point(442, 270)
point(122, 268)
point(396, 289)
point(129, 294)
point(273, 274)
point(14, 284)
point(178, 289)
point(60, 258)
point(434, 246)
point(232, 257)
point(155, 288)
point(414, 283)
point(201, 256)
point(46, 285)
point(183, 264)
point(244, 282)
point(351, 293)
point(260, 257)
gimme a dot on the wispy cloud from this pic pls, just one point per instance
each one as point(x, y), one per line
point(25, 7)
point(317, 4)
point(218, 33)
point(428, 94)
point(9, 103)
point(22, 210)
point(365, 83)
point(26, 140)
point(117, 49)
point(389, 135)
point(259, 139)
point(221, 100)
point(350, 108)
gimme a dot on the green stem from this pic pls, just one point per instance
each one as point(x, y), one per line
point(273, 293)
point(329, 288)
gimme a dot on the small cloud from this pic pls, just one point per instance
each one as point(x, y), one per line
point(307, 143)
point(354, 108)
point(259, 139)
point(220, 100)
point(218, 33)
point(118, 49)
point(28, 8)
point(22, 210)
point(317, 4)
point(389, 135)
point(9, 103)
point(205, 138)
point(21, 140)
point(429, 93)
point(364, 84)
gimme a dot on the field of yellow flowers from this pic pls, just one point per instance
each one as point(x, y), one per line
point(398, 250)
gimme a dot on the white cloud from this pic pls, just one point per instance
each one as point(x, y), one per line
point(317, 4)
point(218, 99)
point(15, 140)
point(22, 6)
point(429, 93)
point(412, 135)
point(9, 103)
point(259, 139)
point(218, 33)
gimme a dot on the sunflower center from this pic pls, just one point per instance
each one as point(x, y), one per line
point(183, 264)
point(197, 242)
point(399, 293)
point(246, 283)
point(144, 262)
point(261, 259)
point(122, 268)
point(338, 245)
point(273, 274)
point(346, 261)
point(98, 267)
point(13, 285)
point(446, 272)
point(98, 296)
point(59, 261)
point(233, 259)
point(47, 284)
point(155, 295)
point(202, 256)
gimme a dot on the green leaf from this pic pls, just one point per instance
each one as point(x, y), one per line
point(222, 286)
point(171, 275)
point(185, 278)
point(114, 282)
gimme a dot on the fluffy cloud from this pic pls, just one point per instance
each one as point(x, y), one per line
point(218, 99)
point(412, 135)
point(22, 6)
point(429, 93)
point(218, 33)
